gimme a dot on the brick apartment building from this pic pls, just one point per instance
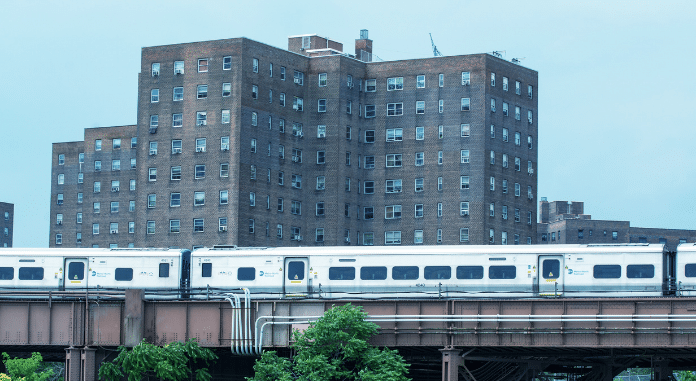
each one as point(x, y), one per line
point(562, 222)
point(241, 143)
point(6, 224)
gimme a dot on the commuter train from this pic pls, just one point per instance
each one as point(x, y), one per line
point(598, 270)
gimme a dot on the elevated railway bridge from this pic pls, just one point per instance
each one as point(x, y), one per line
point(463, 339)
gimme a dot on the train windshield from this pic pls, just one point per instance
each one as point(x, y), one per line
point(296, 270)
point(551, 269)
point(76, 271)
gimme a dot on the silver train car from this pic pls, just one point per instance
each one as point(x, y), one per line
point(619, 270)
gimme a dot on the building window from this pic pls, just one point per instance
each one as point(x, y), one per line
point(132, 163)
point(517, 190)
point(392, 160)
point(491, 209)
point(175, 200)
point(418, 211)
point(61, 179)
point(464, 235)
point(202, 92)
point(439, 183)
point(419, 184)
point(505, 212)
point(321, 157)
point(518, 164)
point(201, 118)
point(518, 113)
point(370, 136)
point(393, 186)
point(505, 134)
point(370, 85)
point(396, 83)
point(466, 78)
point(466, 104)
point(296, 207)
point(98, 145)
point(349, 107)
point(174, 226)
point(505, 109)
point(200, 144)
point(420, 133)
point(369, 187)
point(178, 94)
point(492, 187)
point(96, 207)
point(155, 69)
point(199, 171)
point(321, 105)
point(298, 78)
point(319, 209)
point(465, 130)
point(420, 159)
point(614, 235)
point(154, 95)
point(322, 79)
point(178, 67)
point(255, 65)
point(252, 199)
point(151, 200)
point(370, 111)
point(348, 158)
point(392, 212)
point(464, 208)
point(517, 215)
point(392, 237)
point(198, 198)
point(281, 178)
point(493, 104)
point(349, 133)
point(369, 162)
point(420, 107)
point(464, 156)
point(368, 213)
point(505, 83)
point(464, 182)
point(393, 109)
point(394, 134)
point(198, 224)
point(152, 174)
point(97, 187)
point(503, 238)
point(297, 104)
point(280, 207)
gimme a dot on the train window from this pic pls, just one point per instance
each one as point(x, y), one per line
point(640, 271)
point(373, 273)
point(27, 260)
point(607, 271)
point(551, 268)
point(206, 270)
point(437, 272)
point(502, 272)
point(405, 272)
point(341, 273)
point(689, 270)
point(76, 271)
point(346, 260)
point(31, 273)
point(469, 272)
point(296, 270)
point(246, 273)
point(497, 259)
point(164, 270)
point(124, 274)
point(6, 273)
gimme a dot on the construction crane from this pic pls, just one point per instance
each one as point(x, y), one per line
point(436, 53)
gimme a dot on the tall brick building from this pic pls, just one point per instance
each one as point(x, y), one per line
point(6, 224)
point(238, 142)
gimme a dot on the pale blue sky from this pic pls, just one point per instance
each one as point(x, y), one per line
point(616, 94)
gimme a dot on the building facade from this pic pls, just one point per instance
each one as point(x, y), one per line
point(6, 224)
point(241, 143)
point(562, 222)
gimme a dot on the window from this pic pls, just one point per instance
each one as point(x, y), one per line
point(61, 179)
point(464, 156)
point(296, 181)
point(393, 109)
point(322, 79)
point(394, 134)
point(226, 63)
point(492, 159)
point(368, 213)
point(175, 173)
point(201, 118)
point(531, 196)
point(80, 178)
point(370, 111)
point(152, 174)
point(198, 224)
point(349, 107)
point(296, 155)
point(370, 136)
point(517, 190)
point(505, 83)
point(155, 69)
point(607, 271)
point(392, 160)
point(420, 133)
point(466, 104)
point(614, 235)
point(200, 144)
point(369, 162)
point(419, 184)
point(254, 92)
point(178, 67)
point(97, 187)
point(198, 198)
point(252, 145)
point(505, 212)
point(493, 79)
point(418, 211)
point(98, 145)
point(115, 185)
point(370, 85)
point(466, 78)
point(439, 183)
point(505, 134)
point(298, 77)
point(530, 169)
point(529, 117)
point(465, 130)
point(297, 104)
point(225, 117)
point(505, 109)
point(97, 165)
point(392, 212)
point(95, 229)
point(391, 238)
point(255, 65)
point(178, 94)
point(420, 107)
point(280, 205)
point(464, 182)
point(463, 235)
point(199, 171)
point(81, 155)
point(369, 187)
point(493, 104)
point(319, 237)
point(175, 200)
point(420, 159)
point(296, 207)
point(492, 187)
point(321, 105)
point(252, 199)
point(279, 231)
point(518, 113)
point(321, 157)
point(396, 83)
point(393, 186)
point(420, 82)
point(202, 92)
point(349, 133)
point(348, 158)
point(517, 215)
point(518, 164)
point(226, 89)
point(319, 208)
point(281, 178)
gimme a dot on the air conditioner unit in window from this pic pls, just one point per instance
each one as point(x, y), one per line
point(155, 74)
point(530, 121)
point(295, 159)
point(200, 149)
point(176, 150)
point(153, 152)
point(79, 241)
point(225, 148)
point(297, 238)
point(114, 231)
point(153, 130)
point(294, 107)
point(350, 85)
point(492, 109)
point(300, 134)
point(347, 239)
point(465, 83)
point(530, 196)
point(114, 189)
point(465, 213)
point(298, 81)
point(531, 172)
point(201, 123)
point(223, 228)
point(59, 222)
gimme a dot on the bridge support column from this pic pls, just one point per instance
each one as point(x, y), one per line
point(134, 322)
point(451, 360)
point(72, 364)
point(80, 364)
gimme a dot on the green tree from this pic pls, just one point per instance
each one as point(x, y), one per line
point(172, 362)
point(685, 375)
point(27, 369)
point(334, 347)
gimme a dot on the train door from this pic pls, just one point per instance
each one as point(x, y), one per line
point(297, 276)
point(550, 275)
point(75, 273)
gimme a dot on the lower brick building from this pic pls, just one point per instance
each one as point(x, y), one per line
point(6, 224)
point(563, 222)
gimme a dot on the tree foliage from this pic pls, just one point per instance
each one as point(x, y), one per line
point(334, 347)
point(173, 362)
point(25, 369)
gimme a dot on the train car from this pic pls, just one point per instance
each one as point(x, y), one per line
point(81, 269)
point(435, 271)
point(685, 269)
